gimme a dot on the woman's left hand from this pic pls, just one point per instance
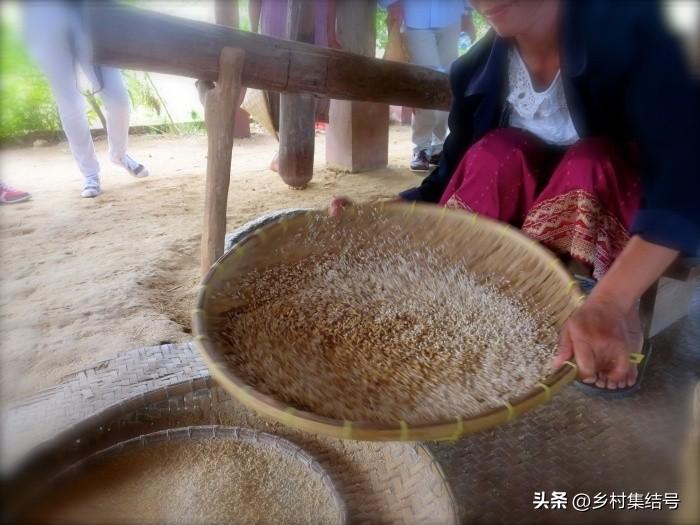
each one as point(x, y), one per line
point(600, 336)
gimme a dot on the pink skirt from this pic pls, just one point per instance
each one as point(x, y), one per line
point(578, 201)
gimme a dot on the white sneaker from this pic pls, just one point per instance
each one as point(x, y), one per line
point(133, 167)
point(91, 188)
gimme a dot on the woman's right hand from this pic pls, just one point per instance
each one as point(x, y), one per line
point(337, 205)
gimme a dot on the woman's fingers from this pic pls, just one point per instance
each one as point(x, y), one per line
point(585, 360)
point(337, 205)
point(566, 349)
point(578, 333)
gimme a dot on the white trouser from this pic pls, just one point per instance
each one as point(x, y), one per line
point(57, 40)
point(437, 49)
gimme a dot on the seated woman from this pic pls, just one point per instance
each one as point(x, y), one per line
point(579, 123)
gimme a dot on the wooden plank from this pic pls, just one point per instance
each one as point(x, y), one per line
point(139, 39)
point(219, 111)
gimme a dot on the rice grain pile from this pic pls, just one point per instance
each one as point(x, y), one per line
point(382, 331)
point(208, 482)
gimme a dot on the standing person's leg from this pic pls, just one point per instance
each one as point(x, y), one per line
point(60, 73)
point(49, 29)
point(116, 101)
point(273, 101)
point(421, 45)
point(447, 45)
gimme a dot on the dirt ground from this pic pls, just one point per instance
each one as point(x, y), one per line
point(83, 279)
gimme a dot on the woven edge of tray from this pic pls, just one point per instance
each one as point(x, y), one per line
point(193, 402)
point(444, 430)
point(208, 432)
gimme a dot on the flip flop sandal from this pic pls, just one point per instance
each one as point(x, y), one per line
point(641, 359)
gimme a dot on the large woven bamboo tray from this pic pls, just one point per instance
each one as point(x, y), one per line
point(186, 436)
point(489, 247)
point(379, 482)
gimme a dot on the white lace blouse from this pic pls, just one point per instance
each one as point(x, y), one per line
point(543, 113)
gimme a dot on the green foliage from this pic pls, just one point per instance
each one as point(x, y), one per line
point(26, 102)
point(141, 92)
point(382, 30)
point(480, 24)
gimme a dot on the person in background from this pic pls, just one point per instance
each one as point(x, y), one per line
point(587, 140)
point(431, 37)
point(9, 195)
point(57, 40)
point(269, 17)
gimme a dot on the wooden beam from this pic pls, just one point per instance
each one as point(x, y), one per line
point(131, 38)
point(297, 110)
point(219, 110)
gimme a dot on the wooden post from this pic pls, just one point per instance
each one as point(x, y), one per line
point(297, 110)
point(358, 132)
point(226, 14)
point(219, 110)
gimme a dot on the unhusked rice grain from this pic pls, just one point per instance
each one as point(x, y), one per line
point(190, 482)
point(382, 332)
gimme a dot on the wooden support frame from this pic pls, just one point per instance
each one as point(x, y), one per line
point(132, 38)
point(220, 105)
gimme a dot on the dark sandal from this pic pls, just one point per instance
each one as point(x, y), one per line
point(641, 359)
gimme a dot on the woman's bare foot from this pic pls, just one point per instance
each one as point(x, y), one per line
point(635, 342)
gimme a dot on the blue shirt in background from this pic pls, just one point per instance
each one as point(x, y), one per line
point(430, 14)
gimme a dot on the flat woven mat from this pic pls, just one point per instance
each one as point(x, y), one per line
point(380, 482)
point(81, 394)
point(574, 444)
point(583, 444)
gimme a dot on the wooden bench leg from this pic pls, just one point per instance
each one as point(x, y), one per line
point(219, 112)
point(297, 137)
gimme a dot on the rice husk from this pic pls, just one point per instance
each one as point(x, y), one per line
point(383, 331)
point(208, 482)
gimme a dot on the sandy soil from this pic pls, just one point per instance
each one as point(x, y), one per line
point(83, 279)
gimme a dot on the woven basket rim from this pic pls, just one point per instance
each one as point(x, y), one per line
point(451, 429)
point(207, 432)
